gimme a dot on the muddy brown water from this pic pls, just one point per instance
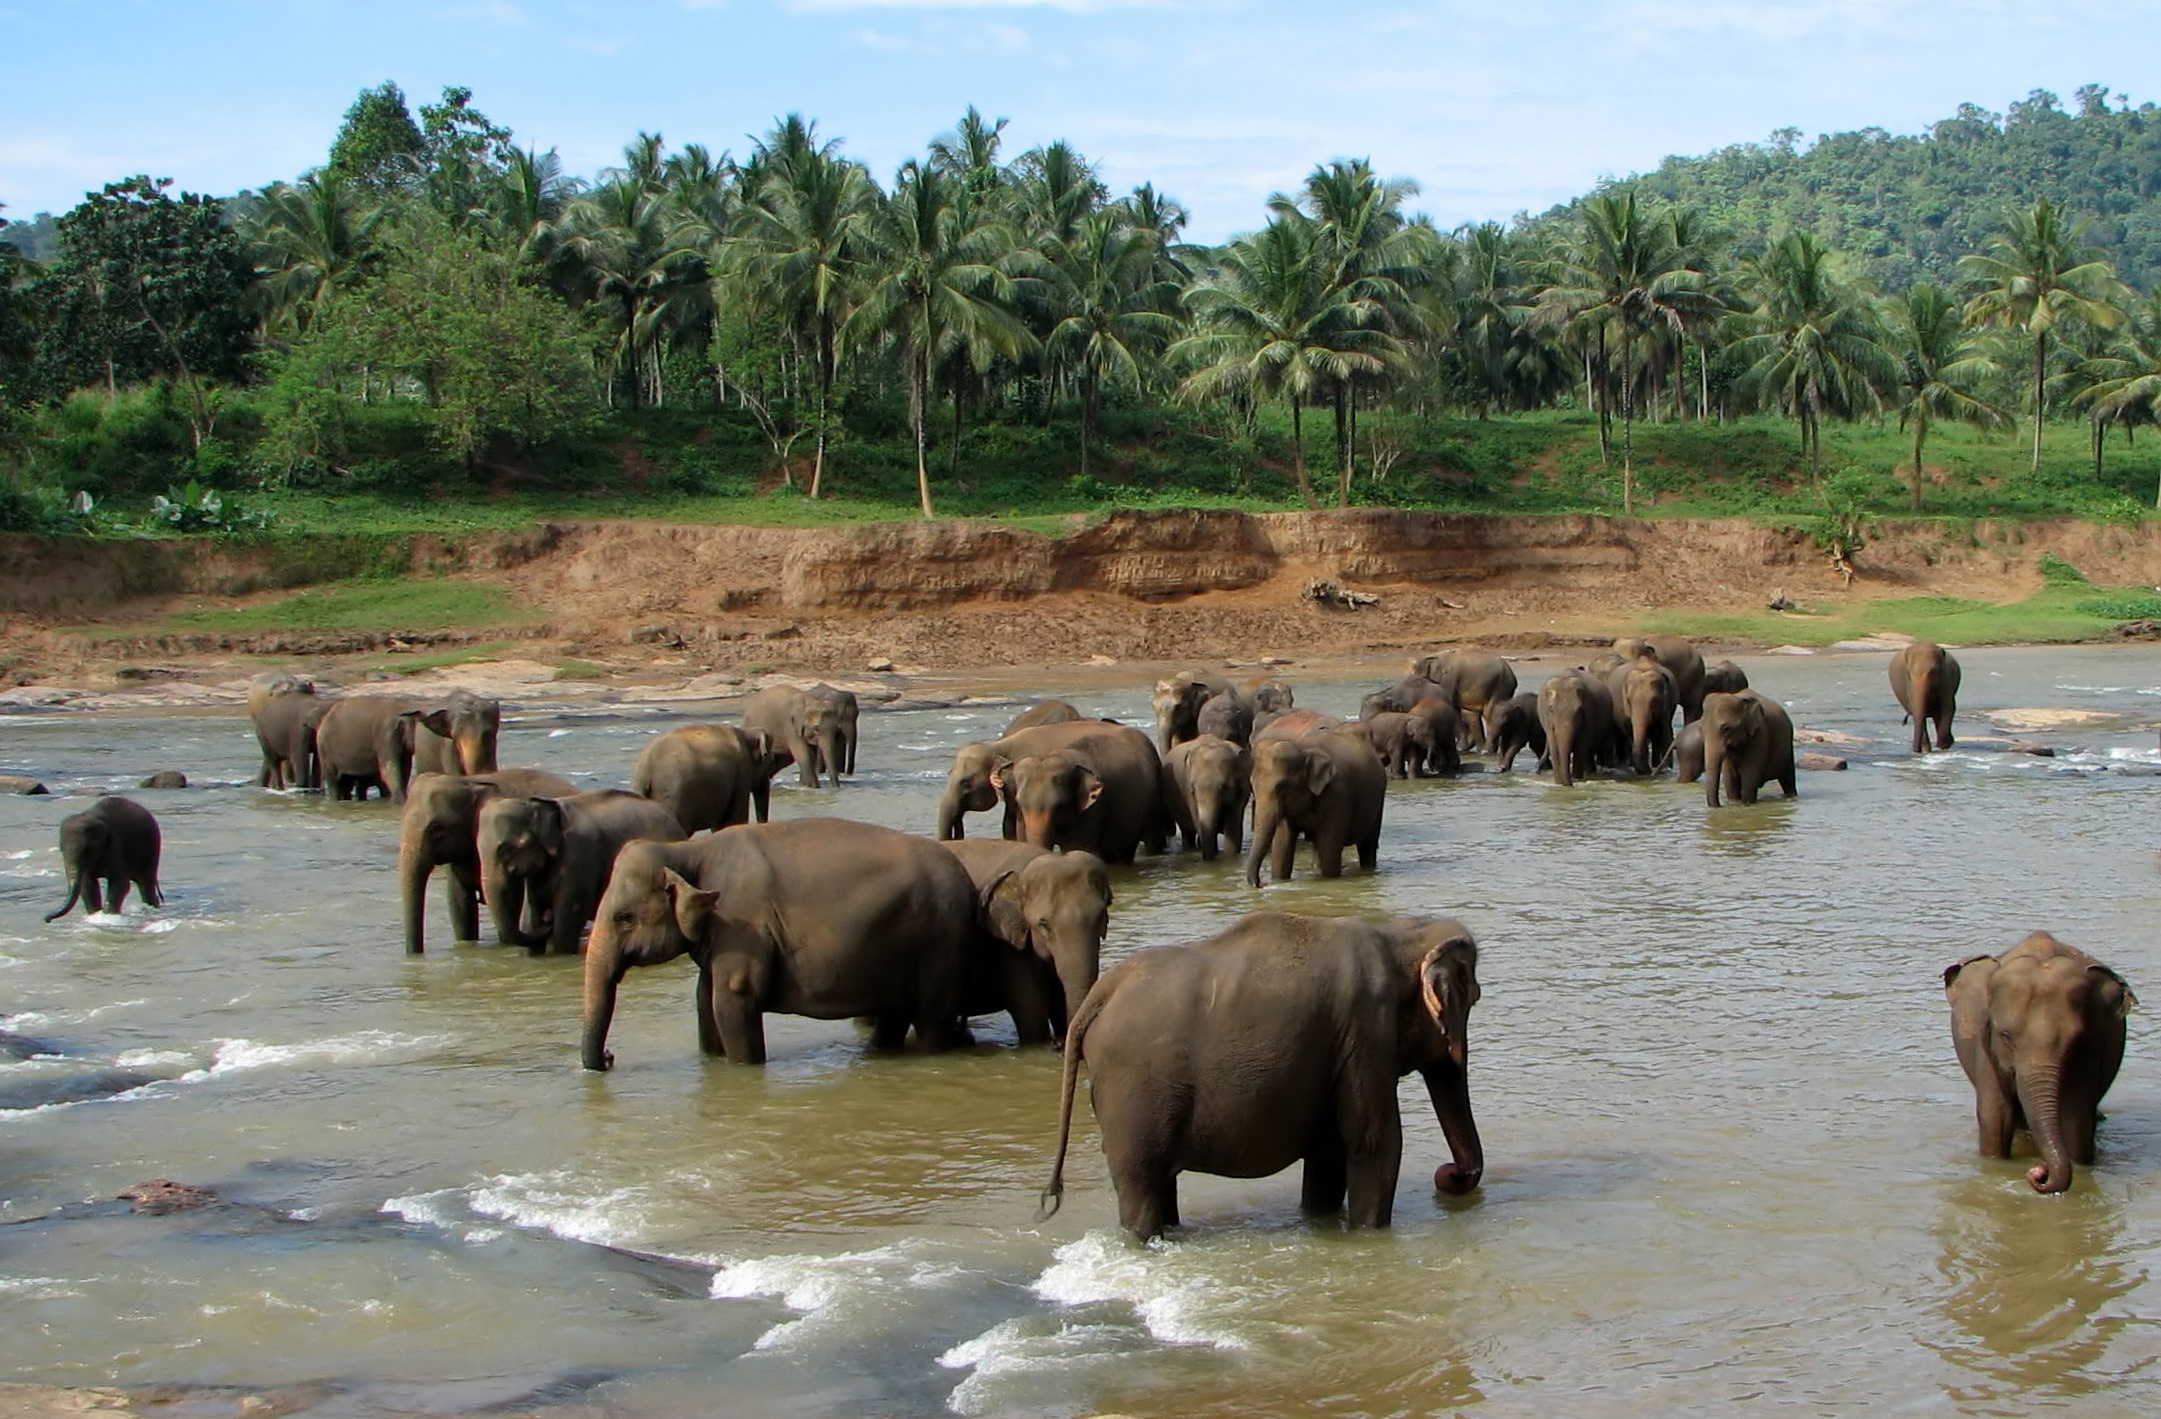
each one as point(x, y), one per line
point(1730, 1154)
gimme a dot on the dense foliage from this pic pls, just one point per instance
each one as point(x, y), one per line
point(437, 311)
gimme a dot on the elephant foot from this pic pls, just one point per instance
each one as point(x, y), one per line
point(1453, 1180)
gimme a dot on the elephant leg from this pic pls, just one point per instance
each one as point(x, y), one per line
point(1283, 850)
point(1026, 999)
point(1369, 852)
point(761, 799)
point(116, 889)
point(148, 886)
point(741, 1022)
point(1943, 729)
point(1234, 831)
point(889, 1030)
point(1327, 1175)
point(1995, 1113)
point(1371, 1137)
point(1147, 1199)
point(463, 898)
point(1328, 854)
point(709, 1041)
point(1207, 839)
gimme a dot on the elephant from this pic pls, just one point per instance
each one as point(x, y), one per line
point(1645, 696)
point(819, 917)
point(1043, 712)
point(114, 841)
point(813, 728)
point(1390, 733)
point(1399, 697)
point(286, 725)
point(1477, 682)
point(1213, 780)
point(1048, 912)
point(1177, 703)
point(708, 775)
point(1724, 678)
point(1516, 728)
point(1575, 709)
point(2040, 1032)
point(1278, 1041)
point(544, 861)
point(1326, 785)
point(1226, 716)
point(1924, 677)
point(165, 779)
point(1126, 803)
point(1747, 742)
point(440, 827)
point(1291, 724)
point(1437, 729)
point(1268, 695)
point(1680, 656)
point(1688, 752)
point(373, 742)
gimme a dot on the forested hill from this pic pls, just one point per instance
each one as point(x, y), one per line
point(1908, 207)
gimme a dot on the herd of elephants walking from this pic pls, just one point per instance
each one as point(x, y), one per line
point(1277, 1041)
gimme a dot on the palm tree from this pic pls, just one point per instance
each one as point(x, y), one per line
point(1055, 190)
point(2035, 274)
point(802, 234)
point(309, 238)
point(1108, 302)
point(2126, 384)
point(969, 157)
point(528, 203)
point(630, 254)
point(1938, 365)
point(1814, 347)
point(936, 283)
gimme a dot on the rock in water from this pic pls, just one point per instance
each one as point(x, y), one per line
point(1830, 762)
point(16, 783)
point(165, 778)
point(162, 1195)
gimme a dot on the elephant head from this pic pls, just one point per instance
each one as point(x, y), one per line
point(1220, 779)
point(1056, 908)
point(1272, 697)
point(1730, 724)
point(1289, 779)
point(471, 724)
point(1049, 793)
point(1177, 702)
point(1439, 960)
point(1574, 708)
point(649, 914)
point(821, 719)
point(519, 842)
point(968, 789)
point(1645, 699)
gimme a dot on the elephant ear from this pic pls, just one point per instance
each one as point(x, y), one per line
point(1000, 774)
point(1000, 905)
point(1321, 771)
point(1087, 787)
point(1950, 973)
point(548, 825)
point(438, 721)
point(1448, 985)
point(2117, 994)
point(694, 908)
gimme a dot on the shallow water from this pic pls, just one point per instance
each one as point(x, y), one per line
point(1730, 1153)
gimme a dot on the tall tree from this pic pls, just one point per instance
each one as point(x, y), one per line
point(1813, 348)
point(378, 144)
point(309, 237)
point(1939, 367)
point(936, 283)
point(1108, 301)
point(2125, 387)
point(2037, 273)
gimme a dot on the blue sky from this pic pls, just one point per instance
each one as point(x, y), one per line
point(1492, 107)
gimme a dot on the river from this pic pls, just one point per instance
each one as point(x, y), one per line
point(1730, 1155)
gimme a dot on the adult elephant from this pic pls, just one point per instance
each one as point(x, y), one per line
point(1724, 678)
point(1924, 677)
point(1476, 681)
point(1326, 785)
point(1278, 1041)
point(440, 828)
point(1678, 654)
point(813, 728)
point(1177, 703)
point(457, 736)
point(819, 917)
point(2040, 1032)
point(1516, 728)
point(1089, 784)
point(1043, 712)
point(1645, 696)
point(708, 775)
point(544, 861)
point(1048, 912)
point(285, 729)
point(1575, 709)
point(1747, 742)
point(1399, 697)
point(115, 841)
point(1226, 716)
point(374, 742)
point(1213, 780)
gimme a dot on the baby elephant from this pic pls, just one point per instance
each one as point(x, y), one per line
point(2040, 1032)
point(115, 841)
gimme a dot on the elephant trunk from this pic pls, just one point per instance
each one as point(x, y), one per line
point(1075, 978)
point(476, 752)
point(506, 902)
point(829, 753)
point(2038, 1098)
point(1448, 1085)
point(950, 809)
point(1207, 814)
point(603, 973)
point(413, 871)
point(1561, 746)
point(1266, 822)
point(1039, 828)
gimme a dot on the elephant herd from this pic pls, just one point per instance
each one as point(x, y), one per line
point(1279, 1040)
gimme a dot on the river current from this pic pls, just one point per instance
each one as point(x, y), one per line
point(1730, 1155)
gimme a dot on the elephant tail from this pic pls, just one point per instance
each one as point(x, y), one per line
point(1053, 1194)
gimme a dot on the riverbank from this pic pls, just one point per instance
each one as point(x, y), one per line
point(651, 608)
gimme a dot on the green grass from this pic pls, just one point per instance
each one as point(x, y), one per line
point(407, 605)
point(2058, 613)
point(580, 670)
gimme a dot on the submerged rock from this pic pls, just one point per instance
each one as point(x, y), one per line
point(16, 783)
point(1828, 762)
point(162, 1195)
point(165, 778)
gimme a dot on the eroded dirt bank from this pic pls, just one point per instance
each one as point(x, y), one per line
point(1134, 587)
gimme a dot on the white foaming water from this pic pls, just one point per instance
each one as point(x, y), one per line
point(151, 1059)
point(24, 856)
point(1023, 1349)
point(833, 1292)
point(236, 1056)
point(1176, 1300)
point(564, 1205)
point(160, 927)
point(557, 733)
point(46, 1019)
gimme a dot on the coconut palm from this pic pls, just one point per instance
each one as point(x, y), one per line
point(527, 205)
point(2036, 274)
point(2125, 385)
point(1939, 366)
point(309, 237)
point(1813, 347)
point(935, 283)
point(628, 254)
point(1108, 301)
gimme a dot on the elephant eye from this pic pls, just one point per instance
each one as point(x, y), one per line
point(625, 918)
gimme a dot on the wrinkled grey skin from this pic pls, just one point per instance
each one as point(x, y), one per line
point(2040, 1032)
point(544, 861)
point(1517, 728)
point(1227, 716)
point(1213, 780)
point(1924, 677)
point(1043, 712)
point(1680, 656)
point(457, 736)
point(1177, 704)
point(1688, 752)
point(371, 742)
point(1438, 729)
point(814, 729)
point(1477, 682)
point(1644, 700)
point(1044, 915)
point(1130, 807)
point(1575, 709)
point(1724, 678)
point(708, 775)
point(1278, 1041)
point(819, 917)
point(114, 841)
point(285, 728)
point(1325, 785)
point(1747, 742)
point(439, 828)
